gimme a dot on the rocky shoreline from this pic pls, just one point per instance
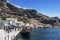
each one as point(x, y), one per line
point(44, 26)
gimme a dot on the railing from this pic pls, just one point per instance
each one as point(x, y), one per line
point(7, 37)
point(12, 37)
point(16, 37)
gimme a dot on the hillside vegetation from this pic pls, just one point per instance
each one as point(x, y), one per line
point(8, 10)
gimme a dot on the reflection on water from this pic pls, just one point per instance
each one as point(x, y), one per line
point(42, 34)
point(25, 36)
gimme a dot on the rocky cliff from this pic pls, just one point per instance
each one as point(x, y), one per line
point(27, 15)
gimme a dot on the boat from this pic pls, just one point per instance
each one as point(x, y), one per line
point(25, 30)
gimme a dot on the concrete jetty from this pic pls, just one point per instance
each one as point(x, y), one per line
point(8, 36)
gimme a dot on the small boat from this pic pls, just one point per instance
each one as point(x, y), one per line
point(25, 30)
point(25, 33)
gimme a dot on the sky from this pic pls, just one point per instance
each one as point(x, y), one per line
point(47, 7)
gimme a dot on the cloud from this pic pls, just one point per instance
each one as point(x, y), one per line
point(8, 1)
point(14, 4)
point(21, 6)
point(18, 5)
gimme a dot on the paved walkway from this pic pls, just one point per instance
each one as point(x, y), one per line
point(8, 36)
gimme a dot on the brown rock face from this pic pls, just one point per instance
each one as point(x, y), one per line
point(1, 4)
point(28, 13)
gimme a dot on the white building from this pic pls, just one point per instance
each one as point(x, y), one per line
point(13, 22)
point(9, 22)
point(18, 23)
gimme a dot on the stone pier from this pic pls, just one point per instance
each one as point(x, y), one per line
point(13, 35)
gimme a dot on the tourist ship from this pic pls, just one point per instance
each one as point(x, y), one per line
point(25, 29)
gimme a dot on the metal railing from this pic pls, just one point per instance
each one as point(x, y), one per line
point(12, 37)
point(7, 37)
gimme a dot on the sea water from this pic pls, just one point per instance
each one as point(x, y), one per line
point(42, 34)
